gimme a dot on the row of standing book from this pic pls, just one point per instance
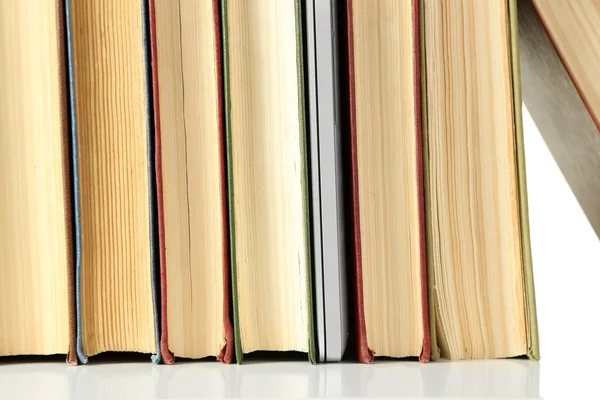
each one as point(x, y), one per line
point(197, 179)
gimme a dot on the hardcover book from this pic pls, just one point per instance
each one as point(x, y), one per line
point(114, 194)
point(37, 297)
point(191, 179)
point(560, 60)
point(479, 257)
point(268, 177)
point(390, 298)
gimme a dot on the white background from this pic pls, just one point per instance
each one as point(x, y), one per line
point(566, 256)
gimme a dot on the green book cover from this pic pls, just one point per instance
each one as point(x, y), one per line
point(530, 312)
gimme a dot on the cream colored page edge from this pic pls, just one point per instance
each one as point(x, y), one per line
point(34, 308)
point(390, 238)
point(191, 177)
point(263, 98)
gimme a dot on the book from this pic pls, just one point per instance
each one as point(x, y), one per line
point(268, 178)
point(389, 281)
point(191, 180)
point(573, 30)
point(559, 63)
point(37, 303)
point(114, 194)
point(326, 162)
point(478, 246)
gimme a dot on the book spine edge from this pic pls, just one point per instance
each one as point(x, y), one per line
point(364, 353)
point(83, 359)
point(66, 170)
point(434, 349)
point(226, 353)
point(239, 353)
point(425, 355)
point(312, 350)
point(533, 351)
point(167, 355)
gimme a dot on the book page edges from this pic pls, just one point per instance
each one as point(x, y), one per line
point(225, 355)
point(531, 314)
point(167, 356)
point(83, 358)
point(312, 355)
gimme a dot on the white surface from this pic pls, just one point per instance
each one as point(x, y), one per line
point(505, 378)
point(566, 255)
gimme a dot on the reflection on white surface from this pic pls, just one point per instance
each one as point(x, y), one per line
point(492, 378)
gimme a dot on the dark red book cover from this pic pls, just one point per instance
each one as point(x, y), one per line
point(226, 354)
